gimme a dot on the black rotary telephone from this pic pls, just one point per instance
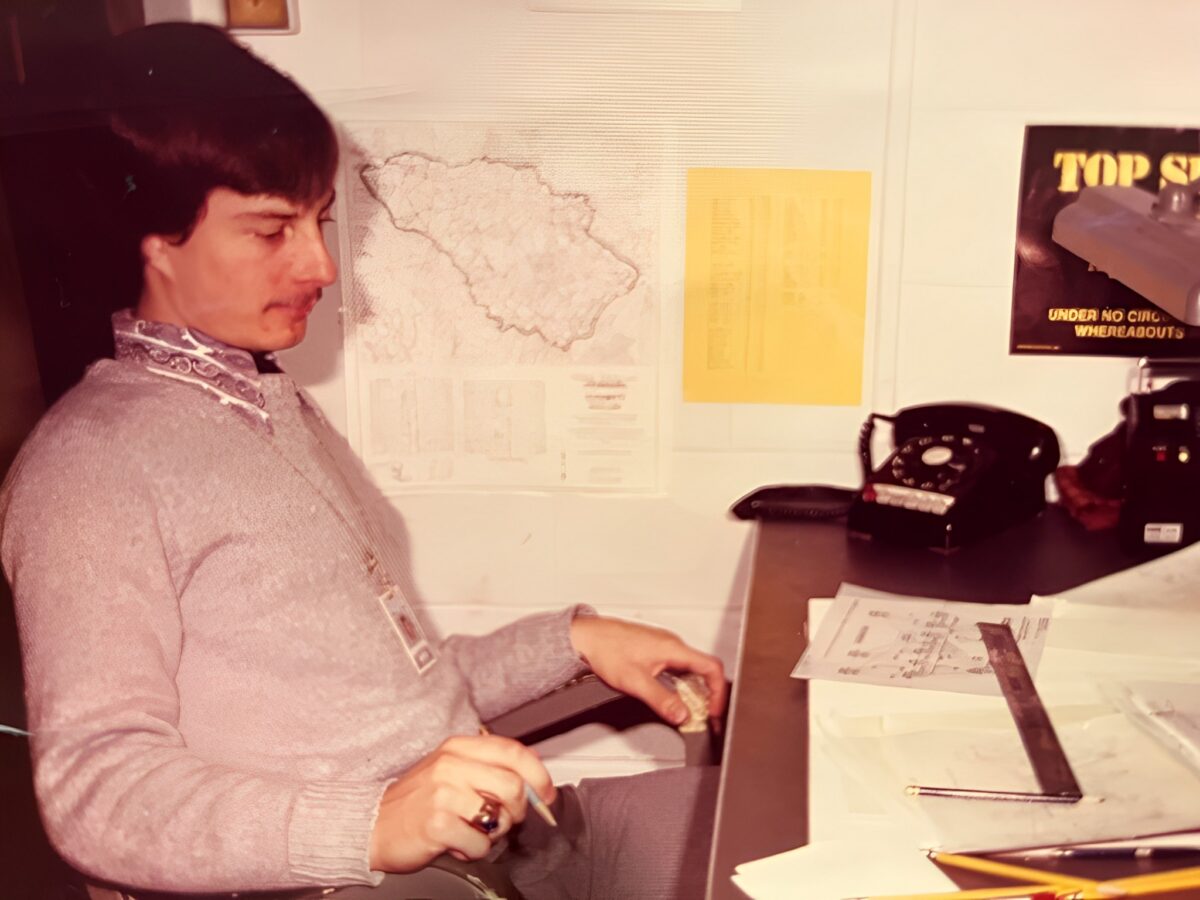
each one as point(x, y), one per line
point(958, 471)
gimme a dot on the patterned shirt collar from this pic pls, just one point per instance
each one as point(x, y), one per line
point(184, 354)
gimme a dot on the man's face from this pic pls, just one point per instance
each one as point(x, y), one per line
point(248, 275)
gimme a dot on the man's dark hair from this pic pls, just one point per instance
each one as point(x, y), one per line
point(124, 138)
point(190, 110)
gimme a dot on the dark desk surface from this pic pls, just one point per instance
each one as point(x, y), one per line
point(763, 802)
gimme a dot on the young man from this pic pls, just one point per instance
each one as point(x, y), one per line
point(227, 686)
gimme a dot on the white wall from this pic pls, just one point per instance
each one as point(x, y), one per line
point(931, 96)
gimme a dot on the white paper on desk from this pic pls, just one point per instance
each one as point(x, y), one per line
point(918, 643)
point(1168, 584)
point(1168, 711)
point(870, 864)
point(1133, 787)
point(1132, 629)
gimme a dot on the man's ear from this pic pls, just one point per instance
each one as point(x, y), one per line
point(156, 254)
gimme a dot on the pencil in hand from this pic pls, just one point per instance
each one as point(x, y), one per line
point(538, 804)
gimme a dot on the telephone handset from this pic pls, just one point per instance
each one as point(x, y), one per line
point(959, 471)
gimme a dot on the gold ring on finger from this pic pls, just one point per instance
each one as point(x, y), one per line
point(487, 820)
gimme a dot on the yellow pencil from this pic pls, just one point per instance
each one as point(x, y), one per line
point(1007, 870)
point(1144, 885)
point(1014, 891)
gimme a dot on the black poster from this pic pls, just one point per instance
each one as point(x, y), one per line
point(1059, 305)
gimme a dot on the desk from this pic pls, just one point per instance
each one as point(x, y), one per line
point(762, 807)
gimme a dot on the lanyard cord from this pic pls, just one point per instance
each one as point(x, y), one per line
point(364, 537)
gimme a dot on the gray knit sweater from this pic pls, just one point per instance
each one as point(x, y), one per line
point(222, 668)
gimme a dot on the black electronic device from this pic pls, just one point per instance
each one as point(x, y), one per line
point(1160, 507)
point(804, 502)
point(959, 471)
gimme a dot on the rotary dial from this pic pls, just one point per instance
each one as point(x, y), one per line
point(934, 462)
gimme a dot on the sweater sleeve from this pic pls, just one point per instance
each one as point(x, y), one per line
point(519, 662)
point(121, 796)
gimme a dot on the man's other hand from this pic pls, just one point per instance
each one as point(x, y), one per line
point(629, 656)
point(428, 810)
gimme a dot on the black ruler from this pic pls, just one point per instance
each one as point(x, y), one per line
point(1042, 746)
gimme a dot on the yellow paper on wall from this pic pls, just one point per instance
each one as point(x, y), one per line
point(775, 288)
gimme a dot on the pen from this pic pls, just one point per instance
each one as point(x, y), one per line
point(1165, 852)
point(919, 790)
point(538, 804)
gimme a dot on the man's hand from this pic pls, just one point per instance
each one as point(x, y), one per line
point(629, 657)
point(428, 811)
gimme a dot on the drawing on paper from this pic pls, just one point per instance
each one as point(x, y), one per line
point(526, 253)
point(932, 644)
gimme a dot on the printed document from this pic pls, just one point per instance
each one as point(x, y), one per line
point(775, 286)
point(918, 643)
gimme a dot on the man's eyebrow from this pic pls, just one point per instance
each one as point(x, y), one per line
point(268, 214)
point(284, 213)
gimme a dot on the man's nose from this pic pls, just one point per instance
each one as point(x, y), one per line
point(316, 264)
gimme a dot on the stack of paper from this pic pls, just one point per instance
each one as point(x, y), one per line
point(1119, 675)
point(1135, 784)
point(872, 864)
point(1132, 786)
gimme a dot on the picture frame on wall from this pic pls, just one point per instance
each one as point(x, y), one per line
point(262, 16)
